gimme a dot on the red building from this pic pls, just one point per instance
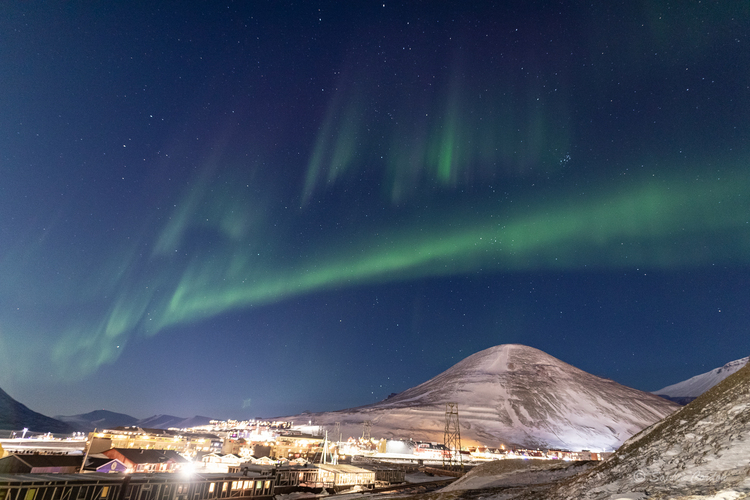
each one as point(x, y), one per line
point(147, 460)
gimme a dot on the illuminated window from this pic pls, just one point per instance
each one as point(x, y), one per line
point(105, 492)
point(30, 494)
point(224, 486)
point(211, 487)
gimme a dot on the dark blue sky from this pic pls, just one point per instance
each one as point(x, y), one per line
point(244, 209)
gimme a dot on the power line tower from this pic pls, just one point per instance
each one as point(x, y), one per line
point(337, 432)
point(366, 426)
point(452, 437)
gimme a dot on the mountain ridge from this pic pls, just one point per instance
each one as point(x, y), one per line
point(105, 419)
point(697, 385)
point(702, 449)
point(17, 416)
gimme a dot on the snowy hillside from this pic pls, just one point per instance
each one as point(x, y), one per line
point(702, 450)
point(695, 386)
point(512, 395)
point(170, 421)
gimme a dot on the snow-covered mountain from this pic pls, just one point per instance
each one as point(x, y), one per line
point(695, 386)
point(103, 419)
point(513, 395)
point(170, 421)
point(98, 419)
point(701, 451)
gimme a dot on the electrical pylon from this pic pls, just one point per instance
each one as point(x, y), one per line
point(337, 432)
point(366, 426)
point(452, 437)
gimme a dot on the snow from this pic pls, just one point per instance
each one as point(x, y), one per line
point(695, 386)
point(507, 473)
point(701, 452)
point(512, 395)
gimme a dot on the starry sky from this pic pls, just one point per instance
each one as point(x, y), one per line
point(243, 209)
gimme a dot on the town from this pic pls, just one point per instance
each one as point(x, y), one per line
point(237, 459)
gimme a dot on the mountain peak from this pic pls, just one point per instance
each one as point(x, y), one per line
point(518, 395)
point(506, 358)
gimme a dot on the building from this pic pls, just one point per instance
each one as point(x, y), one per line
point(147, 460)
point(336, 477)
point(154, 439)
point(96, 486)
point(40, 464)
point(50, 446)
point(315, 477)
point(218, 462)
point(104, 464)
point(297, 446)
point(286, 477)
point(386, 474)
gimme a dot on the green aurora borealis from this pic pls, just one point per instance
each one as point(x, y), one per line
point(281, 182)
point(671, 222)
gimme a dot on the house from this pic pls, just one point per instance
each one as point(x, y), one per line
point(147, 460)
point(336, 477)
point(218, 462)
point(104, 464)
point(40, 464)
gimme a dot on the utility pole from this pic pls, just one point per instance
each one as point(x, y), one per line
point(89, 442)
point(452, 437)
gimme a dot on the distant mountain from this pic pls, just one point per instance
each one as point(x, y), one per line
point(16, 416)
point(703, 449)
point(195, 421)
point(687, 390)
point(512, 395)
point(103, 419)
point(168, 421)
point(98, 419)
point(159, 421)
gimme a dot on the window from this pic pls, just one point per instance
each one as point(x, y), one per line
point(104, 492)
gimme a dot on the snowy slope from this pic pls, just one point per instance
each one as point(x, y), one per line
point(695, 386)
point(512, 395)
point(701, 450)
point(170, 421)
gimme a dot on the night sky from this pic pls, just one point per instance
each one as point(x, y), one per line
point(255, 208)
